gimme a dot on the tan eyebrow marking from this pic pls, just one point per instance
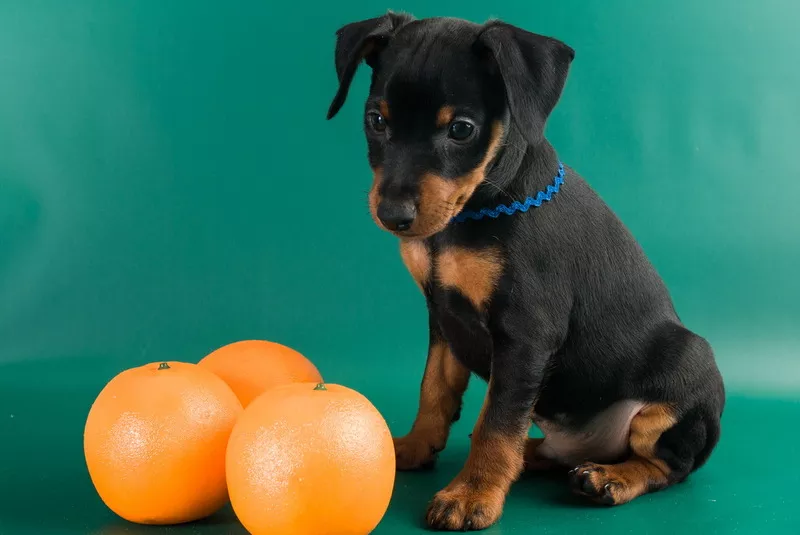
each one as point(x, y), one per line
point(444, 116)
point(383, 106)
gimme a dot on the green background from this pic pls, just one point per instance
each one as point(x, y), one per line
point(168, 184)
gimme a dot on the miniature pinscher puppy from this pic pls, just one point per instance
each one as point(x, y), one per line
point(531, 281)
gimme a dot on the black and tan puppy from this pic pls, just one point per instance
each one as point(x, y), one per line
point(551, 301)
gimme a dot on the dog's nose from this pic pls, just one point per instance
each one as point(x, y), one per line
point(397, 215)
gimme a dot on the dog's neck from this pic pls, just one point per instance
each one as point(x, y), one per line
point(519, 170)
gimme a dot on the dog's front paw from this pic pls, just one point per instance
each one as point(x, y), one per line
point(414, 452)
point(596, 483)
point(462, 507)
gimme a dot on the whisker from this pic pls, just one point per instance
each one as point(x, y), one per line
point(519, 147)
point(498, 188)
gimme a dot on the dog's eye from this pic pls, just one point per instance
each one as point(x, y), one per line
point(460, 130)
point(376, 121)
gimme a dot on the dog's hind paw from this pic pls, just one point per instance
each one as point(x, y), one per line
point(592, 480)
point(615, 484)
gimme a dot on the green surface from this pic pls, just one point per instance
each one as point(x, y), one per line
point(168, 184)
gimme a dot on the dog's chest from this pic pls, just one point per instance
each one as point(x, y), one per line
point(459, 284)
point(472, 273)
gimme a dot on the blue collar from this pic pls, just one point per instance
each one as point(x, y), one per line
point(516, 206)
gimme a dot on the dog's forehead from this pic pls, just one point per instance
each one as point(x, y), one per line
point(431, 61)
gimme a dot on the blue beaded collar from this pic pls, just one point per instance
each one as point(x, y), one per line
point(516, 206)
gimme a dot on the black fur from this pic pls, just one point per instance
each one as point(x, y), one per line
point(580, 318)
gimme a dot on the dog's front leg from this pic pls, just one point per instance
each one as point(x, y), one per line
point(440, 399)
point(474, 499)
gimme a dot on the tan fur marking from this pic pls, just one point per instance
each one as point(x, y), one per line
point(478, 492)
point(374, 196)
point(646, 428)
point(383, 106)
point(473, 273)
point(444, 116)
point(494, 457)
point(643, 472)
point(471, 180)
point(417, 259)
point(442, 390)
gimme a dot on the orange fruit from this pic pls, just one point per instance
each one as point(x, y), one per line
point(252, 366)
point(155, 441)
point(308, 459)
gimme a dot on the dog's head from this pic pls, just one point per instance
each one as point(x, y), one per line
point(443, 97)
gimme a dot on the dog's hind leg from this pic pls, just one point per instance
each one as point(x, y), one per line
point(665, 447)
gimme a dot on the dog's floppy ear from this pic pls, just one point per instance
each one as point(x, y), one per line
point(361, 41)
point(533, 69)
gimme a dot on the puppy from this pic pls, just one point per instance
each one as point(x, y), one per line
point(531, 281)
